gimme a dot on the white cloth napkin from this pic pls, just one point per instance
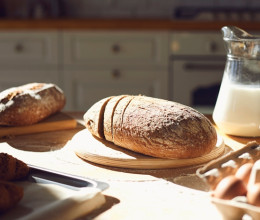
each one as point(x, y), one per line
point(50, 201)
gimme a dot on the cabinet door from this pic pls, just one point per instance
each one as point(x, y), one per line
point(208, 44)
point(108, 48)
point(13, 78)
point(84, 88)
point(28, 48)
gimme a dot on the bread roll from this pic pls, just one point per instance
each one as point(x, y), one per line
point(30, 103)
point(11, 168)
point(11, 194)
point(161, 128)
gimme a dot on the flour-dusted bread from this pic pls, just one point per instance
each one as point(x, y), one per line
point(160, 128)
point(165, 129)
point(30, 103)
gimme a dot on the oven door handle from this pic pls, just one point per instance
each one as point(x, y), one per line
point(203, 66)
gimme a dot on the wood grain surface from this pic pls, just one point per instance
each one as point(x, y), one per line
point(59, 121)
point(106, 153)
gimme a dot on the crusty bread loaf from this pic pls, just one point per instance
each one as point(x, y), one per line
point(11, 194)
point(161, 128)
point(11, 168)
point(30, 103)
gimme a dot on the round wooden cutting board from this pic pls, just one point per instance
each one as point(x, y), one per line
point(99, 151)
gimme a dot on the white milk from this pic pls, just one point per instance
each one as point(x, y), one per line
point(237, 110)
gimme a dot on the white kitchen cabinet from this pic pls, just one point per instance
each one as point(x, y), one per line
point(87, 65)
point(85, 87)
point(28, 49)
point(83, 48)
point(28, 56)
point(102, 63)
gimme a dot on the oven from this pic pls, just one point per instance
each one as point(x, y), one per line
point(197, 66)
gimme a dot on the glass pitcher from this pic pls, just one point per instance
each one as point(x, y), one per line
point(237, 110)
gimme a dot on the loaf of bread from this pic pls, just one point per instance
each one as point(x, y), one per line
point(12, 168)
point(30, 103)
point(152, 126)
point(10, 195)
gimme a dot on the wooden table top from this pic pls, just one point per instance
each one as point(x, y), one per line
point(133, 193)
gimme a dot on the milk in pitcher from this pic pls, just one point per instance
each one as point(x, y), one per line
point(237, 112)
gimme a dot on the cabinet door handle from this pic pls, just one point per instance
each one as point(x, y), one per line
point(213, 47)
point(19, 48)
point(116, 48)
point(116, 74)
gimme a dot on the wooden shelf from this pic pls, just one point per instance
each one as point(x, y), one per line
point(123, 24)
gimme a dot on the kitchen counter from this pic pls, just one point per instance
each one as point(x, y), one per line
point(123, 24)
point(175, 193)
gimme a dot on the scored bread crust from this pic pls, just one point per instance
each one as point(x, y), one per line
point(118, 120)
point(165, 129)
point(30, 103)
point(160, 128)
point(94, 117)
point(108, 116)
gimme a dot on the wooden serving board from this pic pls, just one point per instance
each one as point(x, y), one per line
point(99, 151)
point(59, 121)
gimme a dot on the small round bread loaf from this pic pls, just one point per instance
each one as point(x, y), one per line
point(30, 103)
point(12, 168)
point(11, 194)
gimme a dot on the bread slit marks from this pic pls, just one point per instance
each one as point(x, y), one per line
point(108, 116)
point(94, 118)
point(118, 118)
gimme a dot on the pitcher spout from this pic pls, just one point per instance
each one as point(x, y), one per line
point(234, 33)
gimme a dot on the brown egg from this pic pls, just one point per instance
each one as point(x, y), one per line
point(253, 194)
point(230, 187)
point(255, 174)
point(244, 171)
